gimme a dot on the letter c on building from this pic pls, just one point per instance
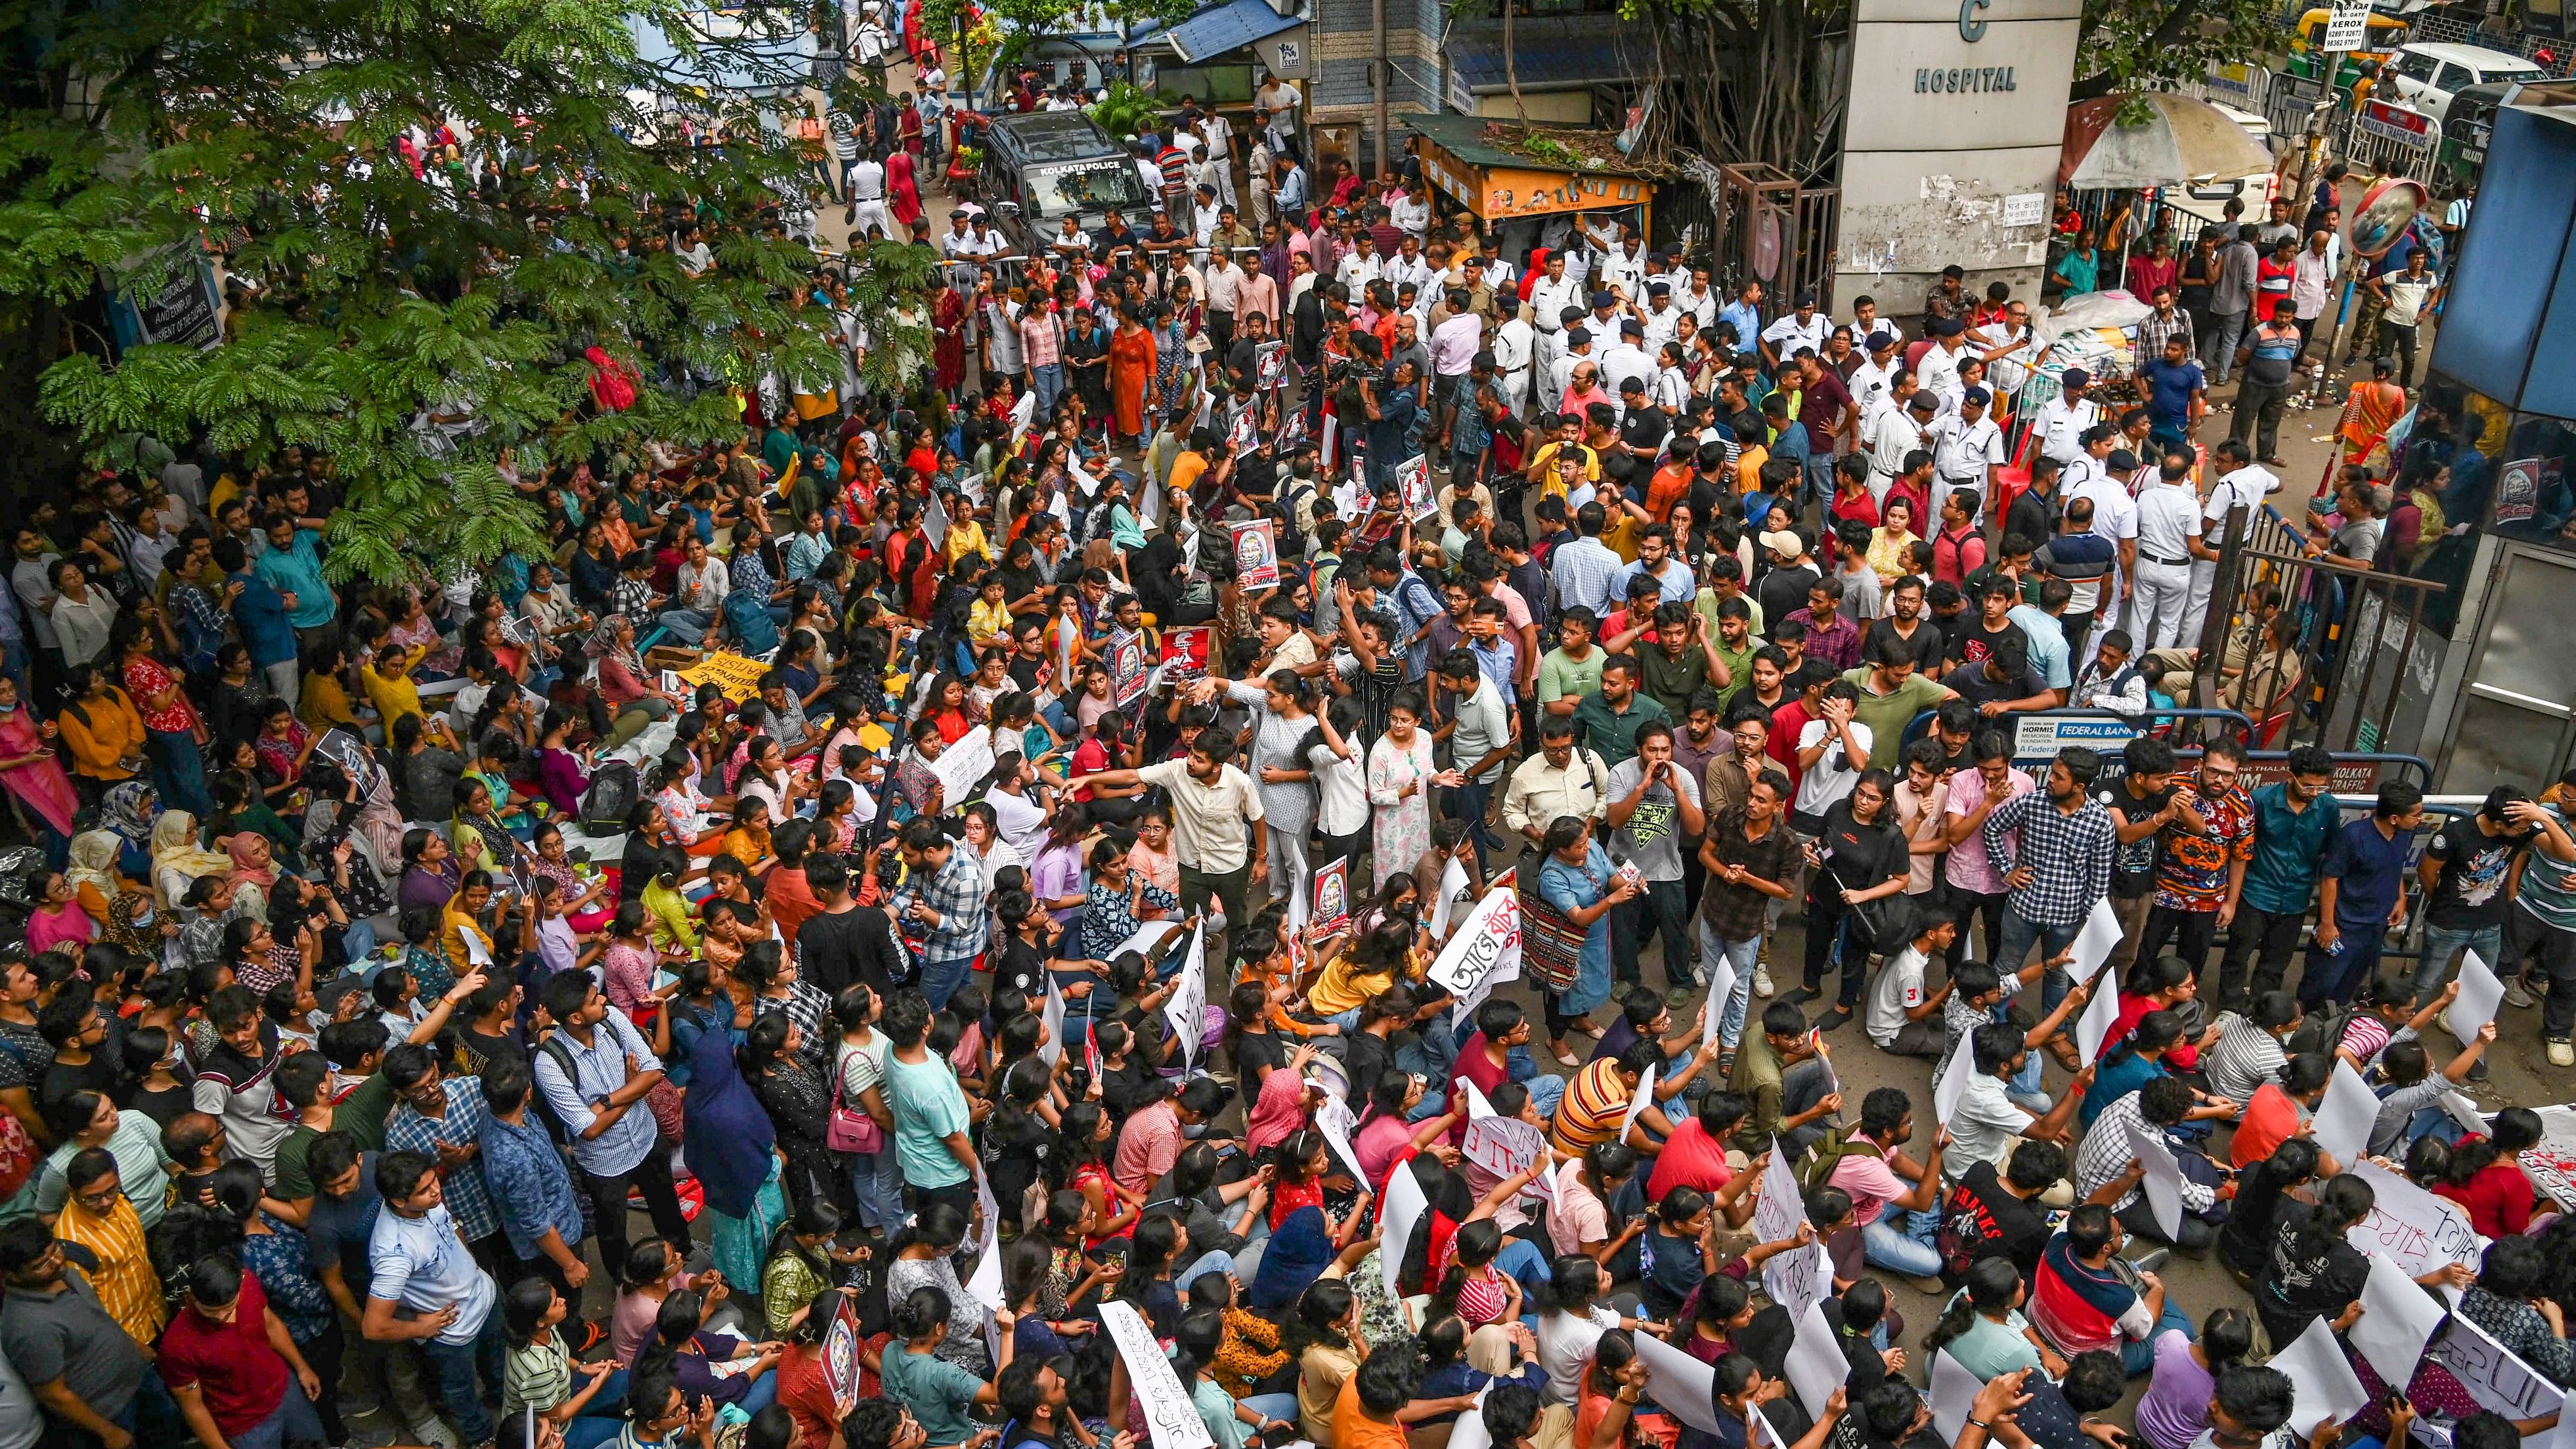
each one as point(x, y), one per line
point(1972, 27)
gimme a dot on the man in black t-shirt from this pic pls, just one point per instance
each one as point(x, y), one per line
point(2465, 870)
point(2143, 801)
point(2002, 678)
point(1909, 628)
point(846, 942)
point(1979, 637)
point(1988, 1215)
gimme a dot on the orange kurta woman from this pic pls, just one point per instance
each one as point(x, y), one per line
point(2373, 409)
point(1131, 374)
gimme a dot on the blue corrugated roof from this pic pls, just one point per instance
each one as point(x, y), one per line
point(1562, 62)
point(1221, 28)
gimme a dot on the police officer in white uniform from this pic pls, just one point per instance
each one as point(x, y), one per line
point(2168, 521)
point(2244, 483)
point(2063, 418)
point(1966, 445)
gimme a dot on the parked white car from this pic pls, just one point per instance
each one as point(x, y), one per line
point(2426, 76)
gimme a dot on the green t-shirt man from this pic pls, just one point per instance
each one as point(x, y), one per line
point(1887, 715)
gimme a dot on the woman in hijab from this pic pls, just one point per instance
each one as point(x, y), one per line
point(733, 1149)
point(128, 809)
point(254, 870)
point(1298, 1252)
point(622, 680)
point(93, 872)
point(177, 859)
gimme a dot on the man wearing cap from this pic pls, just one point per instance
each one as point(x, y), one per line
point(1804, 328)
point(1873, 383)
point(2063, 418)
point(1966, 445)
point(1627, 359)
point(1898, 431)
point(1662, 320)
point(1560, 373)
point(1938, 369)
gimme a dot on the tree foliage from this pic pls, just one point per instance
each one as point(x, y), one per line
point(414, 317)
point(2126, 48)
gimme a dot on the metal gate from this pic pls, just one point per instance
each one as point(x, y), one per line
point(1772, 230)
point(2353, 635)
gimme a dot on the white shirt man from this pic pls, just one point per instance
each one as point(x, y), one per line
point(1893, 433)
point(1515, 350)
point(2245, 486)
point(1359, 267)
point(1700, 301)
point(1792, 333)
point(2062, 422)
point(2168, 520)
point(1873, 385)
point(1624, 270)
point(1938, 372)
point(1224, 283)
point(1625, 359)
point(1550, 296)
point(1663, 320)
point(1409, 214)
point(1966, 445)
point(1398, 270)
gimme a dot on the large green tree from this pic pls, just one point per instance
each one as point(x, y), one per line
point(413, 315)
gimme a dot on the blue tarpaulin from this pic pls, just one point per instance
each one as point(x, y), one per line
point(1221, 28)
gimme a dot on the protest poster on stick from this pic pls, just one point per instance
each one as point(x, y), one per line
point(1185, 653)
point(1171, 1417)
point(1487, 944)
point(1256, 553)
point(1331, 908)
point(1130, 672)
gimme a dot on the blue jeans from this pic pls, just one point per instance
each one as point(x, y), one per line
point(1471, 799)
point(294, 1418)
point(689, 625)
point(599, 1420)
point(1282, 1407)
point(1741, 955)
point(2138, 1355)
point(2019, 935)
point(1046, 379)
point(179, 764)
point(1901, 1242)
point(2442, 946)
point(1207, 1263)
point(1526, 1262)
point(878, 1187)
point(2334, 975)
point(456, 1365)
point(940, 980)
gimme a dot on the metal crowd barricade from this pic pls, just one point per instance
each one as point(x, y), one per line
point(2387, 137)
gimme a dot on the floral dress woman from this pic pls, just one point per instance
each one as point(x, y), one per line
point(1403, 816)
point(1173, 376)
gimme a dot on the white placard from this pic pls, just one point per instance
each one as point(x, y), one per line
point(1478, 1109)
point(2495, 1377)
point(1637, 1104)
point(934, 521)
point(2345, 1116)
point(1333, 1119)
point(2419, 1231)
point(1469, 1431)
point(985, 1286)
point(1487, 945)
point(2481, 992)
point(1148, 936)
point(2324, 1383)
point(1187, 1010)
point(2027, 208)
point(2100, 1015)
point(1400, 1210)
point(1170, 1414)
point(1816, 1365)
point(2397, 1319)
point(1053, 1047)
point(1504, 1146)
point(1954, 1079)
point(1453, 884)
point(2163, 1182)
point(1790, 1277)
point(1954, 1395)
point(962, 766)
point(1721, 991)
point(1682, 1386)
point(2095, 943)
point(474, 952)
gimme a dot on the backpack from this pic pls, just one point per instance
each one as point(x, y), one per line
point(1837, 1144)
point(2323, 1029)
point(614, 789)
point(747, 619)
